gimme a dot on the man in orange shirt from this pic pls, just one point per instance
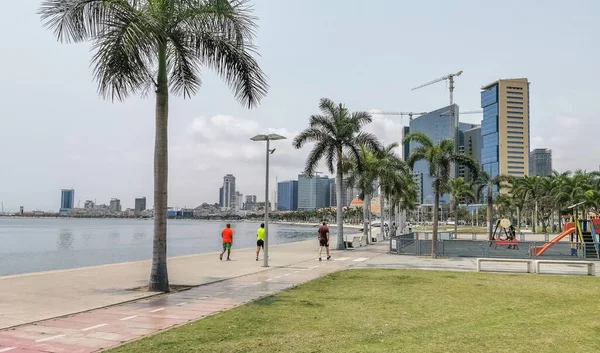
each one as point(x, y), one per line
point(227, 235)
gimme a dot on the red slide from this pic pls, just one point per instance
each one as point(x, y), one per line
point(569, 229)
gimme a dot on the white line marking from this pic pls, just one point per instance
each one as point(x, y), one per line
point(180, 304)
point(359, 259)
point(303, 269)
point(314, 266)
point(270, 279)
point(45, 339)
point(297, 271)
point(157, 310)
point(7, 349)
point(278, 277)
point(202, 298)
point(129, 318)
point(287, 274)
point(255, 283)
point(341, 259)
point(93, 327)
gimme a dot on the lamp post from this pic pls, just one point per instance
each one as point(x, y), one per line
point(267, 138)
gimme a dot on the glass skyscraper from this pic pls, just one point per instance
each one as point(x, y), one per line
point(437, 125)
point(287, 195)
point(67, 199)
point(313, 193)
point(505, 127)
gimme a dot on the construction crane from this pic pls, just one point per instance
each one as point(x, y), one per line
point(401, 114)
point(450, 78)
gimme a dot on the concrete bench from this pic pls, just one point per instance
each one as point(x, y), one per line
point(490, 259)
point(591, 266)
point(353, 240)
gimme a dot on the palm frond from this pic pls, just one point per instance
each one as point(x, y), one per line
point(184, 79)
point(314, 157)
point(361, 119)
point(368, 140)
point(328, 107)
point(234, 63)
point(81, 20)
point(309, 135)
point(124, 56)
point(322, 122)
point(418, 137)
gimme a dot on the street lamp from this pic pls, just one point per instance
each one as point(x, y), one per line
point(269, 137)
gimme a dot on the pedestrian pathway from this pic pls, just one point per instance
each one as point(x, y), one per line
point(111, 326)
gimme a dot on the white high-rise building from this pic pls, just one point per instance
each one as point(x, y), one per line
point(229, 194)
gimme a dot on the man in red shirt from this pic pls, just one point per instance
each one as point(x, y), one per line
point(227, 236)
point(323, 234)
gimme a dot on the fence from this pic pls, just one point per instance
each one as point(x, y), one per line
point(419, 244)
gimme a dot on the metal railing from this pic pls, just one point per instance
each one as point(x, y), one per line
point(419, 244)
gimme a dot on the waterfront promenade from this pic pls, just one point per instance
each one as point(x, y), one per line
point(226, 285)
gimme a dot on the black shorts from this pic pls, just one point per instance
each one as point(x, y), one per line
point(260, 243)
point(323, 242)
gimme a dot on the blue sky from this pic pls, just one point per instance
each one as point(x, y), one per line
point(57, 133)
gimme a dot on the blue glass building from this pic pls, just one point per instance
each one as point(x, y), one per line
point(437, 125)
point(313, 193)
point(67, 199)
point(287, 195)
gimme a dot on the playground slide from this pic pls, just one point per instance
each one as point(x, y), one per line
point(569, 229)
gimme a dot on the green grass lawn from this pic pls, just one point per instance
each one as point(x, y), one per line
point(403, 311)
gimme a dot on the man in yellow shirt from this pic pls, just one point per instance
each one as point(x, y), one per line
point(260, 239)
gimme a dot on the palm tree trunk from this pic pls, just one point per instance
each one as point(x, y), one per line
point(489, 211)
point(340, 206)
point(382, 207)
point(159, 279)
point(436, 206)
point(366, 218)
point(455, 219)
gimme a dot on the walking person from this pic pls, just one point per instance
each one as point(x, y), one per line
point(227, 237)
point(394, 229)
point(260, 239)
point(323, 234)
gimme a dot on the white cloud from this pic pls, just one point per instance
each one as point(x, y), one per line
point(219, 145)
point(214, 146)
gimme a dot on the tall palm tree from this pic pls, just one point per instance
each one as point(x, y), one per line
point(334, 132)
point(362, 171)
point(440, 159)
point(394, 177)
point(486, 182)
point(459, 189)
point(162, 45)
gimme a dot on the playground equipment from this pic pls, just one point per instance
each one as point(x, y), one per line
point(585, 233)
point(504, 234)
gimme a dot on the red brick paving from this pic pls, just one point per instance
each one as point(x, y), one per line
point(109, 327)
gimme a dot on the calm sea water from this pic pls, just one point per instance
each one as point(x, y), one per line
point(33, 245)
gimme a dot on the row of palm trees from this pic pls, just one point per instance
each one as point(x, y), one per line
point(357, 158)
point(547, 198)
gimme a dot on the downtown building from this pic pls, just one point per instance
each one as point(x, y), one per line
point(140, 205)
point(287, 195)
point(505, 128)
point(228, 196)
point(313, 192)
point(67, 200)
point(540, 162)
point(437, 125)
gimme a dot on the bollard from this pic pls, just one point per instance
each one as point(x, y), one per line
point(473, 236)
point(521, 237)
point(546, 237)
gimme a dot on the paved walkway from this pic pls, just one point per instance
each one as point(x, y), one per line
point(38, 296)
point(111, 326)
